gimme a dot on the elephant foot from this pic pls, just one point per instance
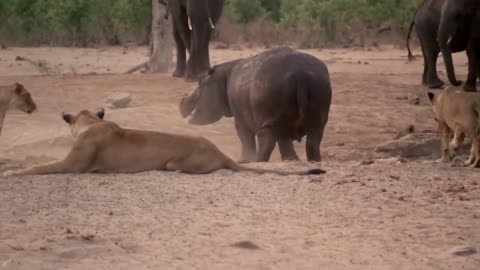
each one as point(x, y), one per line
point(178, 73)
point(435, 84)
point(290, 158)
point(190, 78)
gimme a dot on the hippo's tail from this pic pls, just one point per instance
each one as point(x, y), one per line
point(232, 165)
point(301, 82)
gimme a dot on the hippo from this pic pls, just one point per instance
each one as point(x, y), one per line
point(277, 96)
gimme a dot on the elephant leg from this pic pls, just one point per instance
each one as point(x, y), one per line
point(432, 77)
point(181, 53)
point(314, 138)
point(266, 144)
point(199, 61)
point(287, 151)
point(430, 51)
point(425, 67)
point(247, 139)
point(473, 67)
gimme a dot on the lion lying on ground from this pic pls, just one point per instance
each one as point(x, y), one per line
point(457, 111)
point(15, 96)
point(104, 147)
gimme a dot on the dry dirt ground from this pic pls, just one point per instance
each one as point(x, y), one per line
point(386, 215)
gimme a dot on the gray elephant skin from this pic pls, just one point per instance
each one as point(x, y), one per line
point(276, 96)
point(448, 26)
point(193, 21)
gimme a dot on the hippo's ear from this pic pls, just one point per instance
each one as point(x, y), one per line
point(67, 118)
point(100, 113)
point(431, 97)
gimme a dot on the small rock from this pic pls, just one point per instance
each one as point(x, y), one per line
point(414, 99)
point(462, 251)
point(119, 100)
point(404, 132)
point(246, 245)
point(367, 162)
point(221, 46)
point(340, 144)
point(88, 237)
point(391, 160)
point(236, 47)
point(416, 145)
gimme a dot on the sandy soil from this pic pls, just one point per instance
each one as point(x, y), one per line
point(386, 215)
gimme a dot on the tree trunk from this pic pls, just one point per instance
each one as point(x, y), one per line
point(161, 40)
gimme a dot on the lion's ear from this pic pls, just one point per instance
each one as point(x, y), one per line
point(18, 88)
point(67, 117)
point(100, 113)
point(431, 97)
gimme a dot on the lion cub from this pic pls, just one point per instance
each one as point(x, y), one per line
point(15, 97)
point(104, 147)
point(457, 111)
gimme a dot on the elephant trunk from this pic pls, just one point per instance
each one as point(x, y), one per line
point(446, 31)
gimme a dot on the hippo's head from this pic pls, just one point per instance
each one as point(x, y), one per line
point(208, 103)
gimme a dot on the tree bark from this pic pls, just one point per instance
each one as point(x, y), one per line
point(161, 40)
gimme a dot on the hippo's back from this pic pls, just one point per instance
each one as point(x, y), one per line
point(264, 89)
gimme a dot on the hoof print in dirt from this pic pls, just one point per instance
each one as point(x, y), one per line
point(119, 100)
point(246, 245)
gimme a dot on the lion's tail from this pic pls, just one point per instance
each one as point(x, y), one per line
point(232, 165)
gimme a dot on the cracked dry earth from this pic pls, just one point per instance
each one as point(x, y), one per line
point(379, 214)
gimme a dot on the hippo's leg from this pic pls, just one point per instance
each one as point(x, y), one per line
point(266, 144)
point(247, 139)
point(314, 138)
point(287, 151)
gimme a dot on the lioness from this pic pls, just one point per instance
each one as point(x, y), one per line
point(104, 147)
point(15, 97)
point(457, 111)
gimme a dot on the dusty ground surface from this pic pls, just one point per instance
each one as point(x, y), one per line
point(385, 215)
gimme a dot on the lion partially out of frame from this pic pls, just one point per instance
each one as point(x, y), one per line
point(458, 112)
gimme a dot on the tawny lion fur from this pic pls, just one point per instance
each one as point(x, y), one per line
point(104, 147)
point(458, 112)
point(15, 96)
